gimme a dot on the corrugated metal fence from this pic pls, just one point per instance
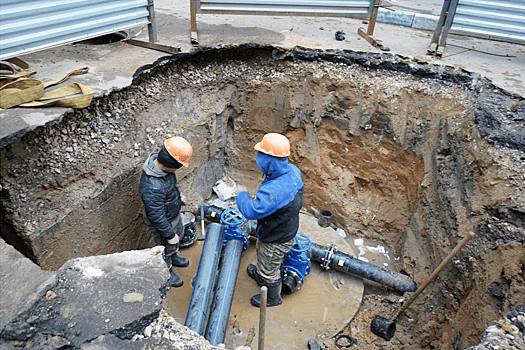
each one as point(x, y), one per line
point(32, 25)
point(311, 8)
point(321, 8)
point(499, 19)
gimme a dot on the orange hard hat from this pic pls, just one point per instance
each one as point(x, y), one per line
point(273, 144)
point(179, 148)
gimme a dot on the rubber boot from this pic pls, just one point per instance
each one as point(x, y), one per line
point(179, 261)
point(175, 280)
point(252, 272)
point(274, 295)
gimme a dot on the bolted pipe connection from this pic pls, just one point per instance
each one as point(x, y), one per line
point(330, 257)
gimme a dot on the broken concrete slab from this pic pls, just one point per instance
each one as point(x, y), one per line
point(118, 294)
point(22, 283)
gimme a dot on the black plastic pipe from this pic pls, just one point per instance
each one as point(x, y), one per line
point(329, 257)
point(223, 297)
point(204, 280)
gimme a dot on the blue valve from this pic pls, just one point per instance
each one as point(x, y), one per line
point(301, 245)
point(232, 218)
point(296, 265)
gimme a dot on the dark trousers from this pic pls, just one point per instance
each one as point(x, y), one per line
point(169, 249)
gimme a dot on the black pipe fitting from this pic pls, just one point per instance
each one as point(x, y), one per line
point(329, 257)
point(212, 213)
point(289, 283)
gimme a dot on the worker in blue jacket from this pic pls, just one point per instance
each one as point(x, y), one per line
point(162, 200)
point(276, 208)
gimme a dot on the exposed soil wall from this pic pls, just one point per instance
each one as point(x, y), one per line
point(402, 152)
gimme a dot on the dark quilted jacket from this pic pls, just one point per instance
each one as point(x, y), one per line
point(161, 197)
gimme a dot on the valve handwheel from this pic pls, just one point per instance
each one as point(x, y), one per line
point(301, 245)
point(232, 217)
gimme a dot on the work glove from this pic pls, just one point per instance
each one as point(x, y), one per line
point(174, 240)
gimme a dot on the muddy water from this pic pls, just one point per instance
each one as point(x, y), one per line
point(326, 303)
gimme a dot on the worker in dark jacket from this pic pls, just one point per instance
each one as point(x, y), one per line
point(162, 200)
point(276, 208)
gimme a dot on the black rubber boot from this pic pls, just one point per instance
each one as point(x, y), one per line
point(178, 261)
point(274, 295)
point(252, 272)
point(175, 280)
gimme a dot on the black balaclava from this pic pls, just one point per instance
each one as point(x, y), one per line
point(167, 160)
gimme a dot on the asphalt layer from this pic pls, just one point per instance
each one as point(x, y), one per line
point(112, 66)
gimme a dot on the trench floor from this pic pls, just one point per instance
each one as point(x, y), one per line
point(326, 303)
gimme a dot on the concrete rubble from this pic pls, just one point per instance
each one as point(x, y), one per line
point(30, 281)
point(99, 302)
point(507, 333)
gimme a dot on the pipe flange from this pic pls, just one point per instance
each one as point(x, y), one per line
point(290, 271)
point(325, 265)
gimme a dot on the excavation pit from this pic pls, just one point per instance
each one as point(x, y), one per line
point(402, 152)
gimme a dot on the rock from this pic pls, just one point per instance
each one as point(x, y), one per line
point(147, 331)
point(51, 295)
point(503, 334)
point(133, 298)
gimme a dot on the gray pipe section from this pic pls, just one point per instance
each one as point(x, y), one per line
point(346, 263)
point(223, 297)
point(204, 281)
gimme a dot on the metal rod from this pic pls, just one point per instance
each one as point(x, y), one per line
point(262, 317)
point(437, 33)
point(456, 53)
point(202, 236)
point(448, 23)
point(329, 257)
point(485, 52)
point(224, 290)
point(152, 25)
point(204, 280)
point(449, 257)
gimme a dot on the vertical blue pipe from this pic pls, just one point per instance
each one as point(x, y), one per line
point(223, 298)
point(204, 281)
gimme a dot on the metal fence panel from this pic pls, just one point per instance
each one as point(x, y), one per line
point(33, 25)
point(312, 8)
point(498, 19)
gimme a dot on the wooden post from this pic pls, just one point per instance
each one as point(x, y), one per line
point(262, 317)
point(369, 34)
point(193, 22)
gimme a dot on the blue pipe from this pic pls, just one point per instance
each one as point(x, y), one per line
point(204, 281)
point(223, 298)
point(235, 243)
